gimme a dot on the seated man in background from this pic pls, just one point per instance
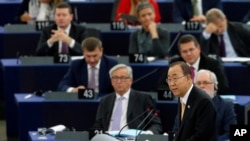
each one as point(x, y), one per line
point(193, 10)
point(224, 38)
point(127, 8)
point(36, 10)
point(151, 40)
point(207, 81)
point(62, 37)
point(121, 107)
point(90, 72)
point(190, 52)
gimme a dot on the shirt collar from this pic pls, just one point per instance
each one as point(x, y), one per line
point(126, 95)
point(97, 65)
point(196, 64)
point(67, 29)
point(185, 97)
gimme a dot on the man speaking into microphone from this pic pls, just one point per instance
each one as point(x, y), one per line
point(126, 108)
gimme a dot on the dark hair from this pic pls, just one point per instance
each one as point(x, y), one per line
point(187, 38)
point(64, 5)
point(91, 43)
point(184, 67)
point(143, 5)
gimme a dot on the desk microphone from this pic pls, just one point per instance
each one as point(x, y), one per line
point(173, 43)
point(76, 14)
point(146, 75)
point(149, 109)
point(156, 114)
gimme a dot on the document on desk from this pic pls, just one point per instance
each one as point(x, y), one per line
point(127, 133)
point(235, 59)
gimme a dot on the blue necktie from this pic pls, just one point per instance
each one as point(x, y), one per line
point(117, 115)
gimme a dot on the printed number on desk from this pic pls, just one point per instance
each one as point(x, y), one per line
point(61, 58)
point(41, 24)
point(136, 58)
point(86, 94)
point(190, 25)
point(118, 25)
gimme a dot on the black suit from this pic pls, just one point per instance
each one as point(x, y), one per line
point(137, 104)
point(205, 63)
point(199, 119)
point(77, 32)
point(239, 37)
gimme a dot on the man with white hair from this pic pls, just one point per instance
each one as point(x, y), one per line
point(207, 81)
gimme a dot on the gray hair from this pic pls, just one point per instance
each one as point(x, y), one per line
point(142, 5)
point(212, 77)
point(120, 66)
point(214, 14)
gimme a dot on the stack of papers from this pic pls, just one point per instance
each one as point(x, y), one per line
point(127, 133)
point(236, 59)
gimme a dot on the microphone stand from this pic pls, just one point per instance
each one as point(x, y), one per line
point(155, 115)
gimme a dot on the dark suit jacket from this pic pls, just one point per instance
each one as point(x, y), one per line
point(183, 10)
point(239, 36)
point(225, 117)
point(138, 103)
point(24, 7)
point(78, 75)
point(77, 32)
point(199, 119)
point(159, 46)
point(205, 63)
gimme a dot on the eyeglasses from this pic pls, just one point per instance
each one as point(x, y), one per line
point(204, 83)
point(173, 79)
point(122, 78)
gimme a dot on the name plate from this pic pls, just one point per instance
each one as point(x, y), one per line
point(118, 25)
point(137, 58)
point(86, 93)
point(192, 25)
point(61, 58)
point(93, 132)
point(40, 25)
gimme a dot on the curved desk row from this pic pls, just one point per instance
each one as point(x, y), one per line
point(21, 78)
point(37, 112)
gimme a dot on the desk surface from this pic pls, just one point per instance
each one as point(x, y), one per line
point(36, 112)
point(29, 78)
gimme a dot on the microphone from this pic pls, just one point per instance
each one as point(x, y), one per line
point(156, 114)
point(146, 75)
point(149, 109)
point(173, 43)
point(76, 14)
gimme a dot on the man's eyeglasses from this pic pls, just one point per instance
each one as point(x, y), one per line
point(204, 83)
point(122, 78)
point(169, 80)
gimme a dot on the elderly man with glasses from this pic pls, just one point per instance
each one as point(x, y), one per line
point(207, 81)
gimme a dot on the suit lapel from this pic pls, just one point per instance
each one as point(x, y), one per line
point(131, 102)
point(84, 74)
point(110, 106)
point(189, 106)
point(101, 79)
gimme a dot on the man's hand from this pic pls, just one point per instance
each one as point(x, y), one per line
point(201, 19)
point(75, 90)
point(59, 35)
point(211, 28)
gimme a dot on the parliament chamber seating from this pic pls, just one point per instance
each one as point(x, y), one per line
point(29, 78)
